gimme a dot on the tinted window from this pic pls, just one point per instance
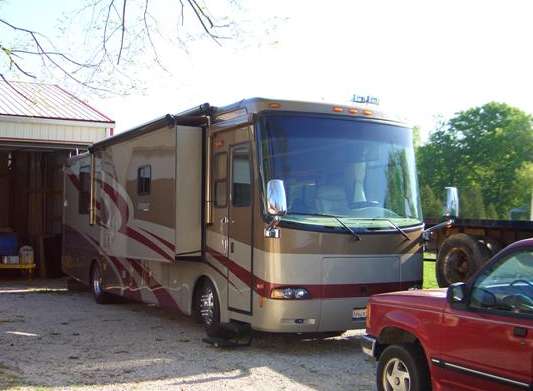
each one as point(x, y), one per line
point(241, 183)
point(144, 179)
point(84, 195)
point(220, 171)
point(361, 170)
point(507, 285)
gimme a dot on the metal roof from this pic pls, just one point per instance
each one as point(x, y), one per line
point(36, 100)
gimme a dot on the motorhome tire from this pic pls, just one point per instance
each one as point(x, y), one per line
point(458, 258)
point(209, 309)
point(97, 285)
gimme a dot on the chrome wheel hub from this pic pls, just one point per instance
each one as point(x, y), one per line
point(396, 376)
point(207, 306)
point(97, 282)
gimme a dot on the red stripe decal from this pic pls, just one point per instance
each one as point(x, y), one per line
point(163, 297)
point(170, 246)
point(132, 288)
point(75, 181)
point(130, 232)
point(317, 291)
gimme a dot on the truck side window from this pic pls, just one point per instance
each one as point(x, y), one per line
point(221, 180)
point(84, 194)
point(241, 181)
point(144, 179)
point(507, 286)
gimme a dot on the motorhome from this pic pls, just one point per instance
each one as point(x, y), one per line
point(280, 215)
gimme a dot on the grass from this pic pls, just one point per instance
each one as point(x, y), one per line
point(430, 281)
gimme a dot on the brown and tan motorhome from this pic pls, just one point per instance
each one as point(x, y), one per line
point(281, 215)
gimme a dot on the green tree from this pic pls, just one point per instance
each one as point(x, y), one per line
point(491, 213)
point(431, 205)
point(472, 205)
point(488, 148)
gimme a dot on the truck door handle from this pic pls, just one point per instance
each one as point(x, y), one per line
point(224, 220)
point(520, 332)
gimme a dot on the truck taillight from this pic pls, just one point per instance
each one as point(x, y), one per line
point(368, 309)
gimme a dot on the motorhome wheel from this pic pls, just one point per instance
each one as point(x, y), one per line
point(97, 285)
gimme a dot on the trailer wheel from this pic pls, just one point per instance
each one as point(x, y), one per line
point(97, 285)
point(493, 246)
point(459, 257)
point(209, 309)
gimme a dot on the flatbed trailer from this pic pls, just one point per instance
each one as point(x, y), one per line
point(464, 246)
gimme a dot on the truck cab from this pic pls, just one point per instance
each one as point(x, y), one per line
point(473, 336)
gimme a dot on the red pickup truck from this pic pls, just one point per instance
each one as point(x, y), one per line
point(473, 336)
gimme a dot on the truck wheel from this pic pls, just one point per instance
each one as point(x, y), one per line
point(403, 368)
point(97, 285)
point(209, 309)
point(458, 258)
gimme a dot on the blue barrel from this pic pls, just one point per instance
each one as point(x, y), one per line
point(8, 244)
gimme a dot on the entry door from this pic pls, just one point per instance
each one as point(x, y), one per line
point(240, 228)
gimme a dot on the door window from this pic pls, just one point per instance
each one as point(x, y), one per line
point(241, 181)
point(506, 286)
point(221, 181)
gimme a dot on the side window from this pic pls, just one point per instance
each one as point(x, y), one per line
point(241, 181)
point(507, 286)
point(84, 194)
point(220, 174)
point(144, 179)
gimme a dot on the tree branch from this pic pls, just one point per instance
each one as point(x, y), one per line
point(123, 30)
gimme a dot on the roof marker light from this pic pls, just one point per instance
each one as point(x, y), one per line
point(353, 111)
point(337, 109)
point(367, 112)
point(274, 105)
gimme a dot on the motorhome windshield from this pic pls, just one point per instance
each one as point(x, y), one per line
point(360, 170)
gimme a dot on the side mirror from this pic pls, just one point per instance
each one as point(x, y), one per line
point(451, 208)
point(276, 198)
point(456, 293)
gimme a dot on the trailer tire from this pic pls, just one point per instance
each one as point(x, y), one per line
point(209, 310)
point(97, 285)
point(458, 258)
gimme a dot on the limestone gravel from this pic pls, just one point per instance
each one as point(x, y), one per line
point(51, 338)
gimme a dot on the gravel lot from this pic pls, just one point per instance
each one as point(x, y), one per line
point(51, 338)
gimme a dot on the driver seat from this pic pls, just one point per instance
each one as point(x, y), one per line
point(331, 199)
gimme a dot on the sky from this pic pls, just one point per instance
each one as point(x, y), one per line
point(423, 59)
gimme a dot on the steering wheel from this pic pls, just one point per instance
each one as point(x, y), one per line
point(519, 300)
point(363, 204)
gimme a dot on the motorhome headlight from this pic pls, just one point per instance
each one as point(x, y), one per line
point(289, 293)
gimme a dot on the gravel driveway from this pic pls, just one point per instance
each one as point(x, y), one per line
point(51, 338)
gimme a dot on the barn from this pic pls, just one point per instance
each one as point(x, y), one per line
point(41, 125)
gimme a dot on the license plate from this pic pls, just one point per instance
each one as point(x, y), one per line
point(358, 313)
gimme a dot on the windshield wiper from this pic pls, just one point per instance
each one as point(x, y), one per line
point(397, 228)
point(347, 228)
